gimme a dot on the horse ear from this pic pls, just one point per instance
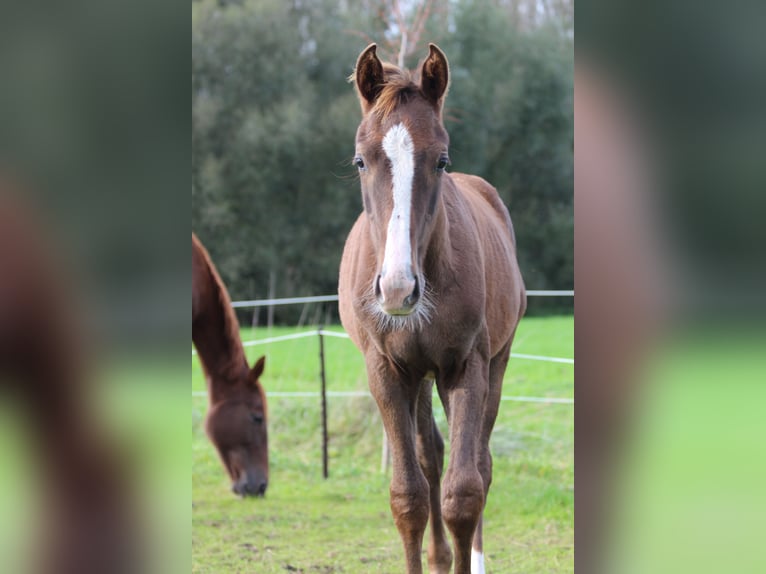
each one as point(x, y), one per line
point(434, 75)
point(257, 369)
point(368, 75)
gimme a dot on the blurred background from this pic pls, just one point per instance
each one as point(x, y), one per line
point(94, 284)
point(670, 179)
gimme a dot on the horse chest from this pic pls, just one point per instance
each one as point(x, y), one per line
point(420, 353)
point(404, 349)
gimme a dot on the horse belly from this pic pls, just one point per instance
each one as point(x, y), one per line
point(504, 295)
point(503, 308)
point(504, 287)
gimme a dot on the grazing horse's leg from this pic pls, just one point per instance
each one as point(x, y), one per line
point(496, 371)
point(463, 497)
point(430, 449)
point(396, 397)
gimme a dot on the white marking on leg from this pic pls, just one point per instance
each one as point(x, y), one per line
point(477, 562)
point(397, 260)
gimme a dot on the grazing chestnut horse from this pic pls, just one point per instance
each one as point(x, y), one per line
point(236, 421)
point(430, 290)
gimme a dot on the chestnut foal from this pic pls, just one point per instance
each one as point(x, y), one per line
point(430, 291)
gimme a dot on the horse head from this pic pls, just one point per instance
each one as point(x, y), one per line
point(401, 153)
point(236, 425)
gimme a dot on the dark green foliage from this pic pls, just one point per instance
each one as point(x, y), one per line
point(273, 122)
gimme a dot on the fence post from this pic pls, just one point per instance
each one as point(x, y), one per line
point(272, 294)
point(324, 402)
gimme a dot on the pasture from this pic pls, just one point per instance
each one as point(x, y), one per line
point(343, 524)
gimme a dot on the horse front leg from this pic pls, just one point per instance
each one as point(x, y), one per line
point(430, 448)
point(397, 401)
point(496, 372)
point(464, 487)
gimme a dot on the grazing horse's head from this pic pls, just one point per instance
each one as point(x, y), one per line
point(236, 426)
point(401, 153)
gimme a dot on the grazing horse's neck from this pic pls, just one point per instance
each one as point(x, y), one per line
point(215, 333)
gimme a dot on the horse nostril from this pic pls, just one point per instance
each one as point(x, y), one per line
point(262, 489)
point(413, 297)
point(378, 294)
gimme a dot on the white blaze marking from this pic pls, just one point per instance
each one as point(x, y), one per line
point(477, 562)
point(401, 153)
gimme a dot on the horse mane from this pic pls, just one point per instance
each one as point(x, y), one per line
point(398, 88)
point(231, 325)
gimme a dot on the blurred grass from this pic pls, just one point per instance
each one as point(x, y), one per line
point(689, 493)
point(343, 524)
point(135, 408)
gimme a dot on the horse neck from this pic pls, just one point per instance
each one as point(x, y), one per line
point(215, 334)
point(437, 258)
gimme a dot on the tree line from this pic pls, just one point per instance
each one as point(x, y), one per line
point(274, 192)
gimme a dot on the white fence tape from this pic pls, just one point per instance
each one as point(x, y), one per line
point(312, 333)
point(541, 358)
point(345, 336)
point(333, 298)
point(285, 301)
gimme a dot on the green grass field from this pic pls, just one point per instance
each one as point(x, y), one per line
point(343, 524)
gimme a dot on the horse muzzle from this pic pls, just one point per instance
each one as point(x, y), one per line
point(246, 488)
point(397, 294)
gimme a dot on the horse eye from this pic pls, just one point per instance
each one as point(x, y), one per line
point(257, 419)
point(443, 162)
point(359, 162)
